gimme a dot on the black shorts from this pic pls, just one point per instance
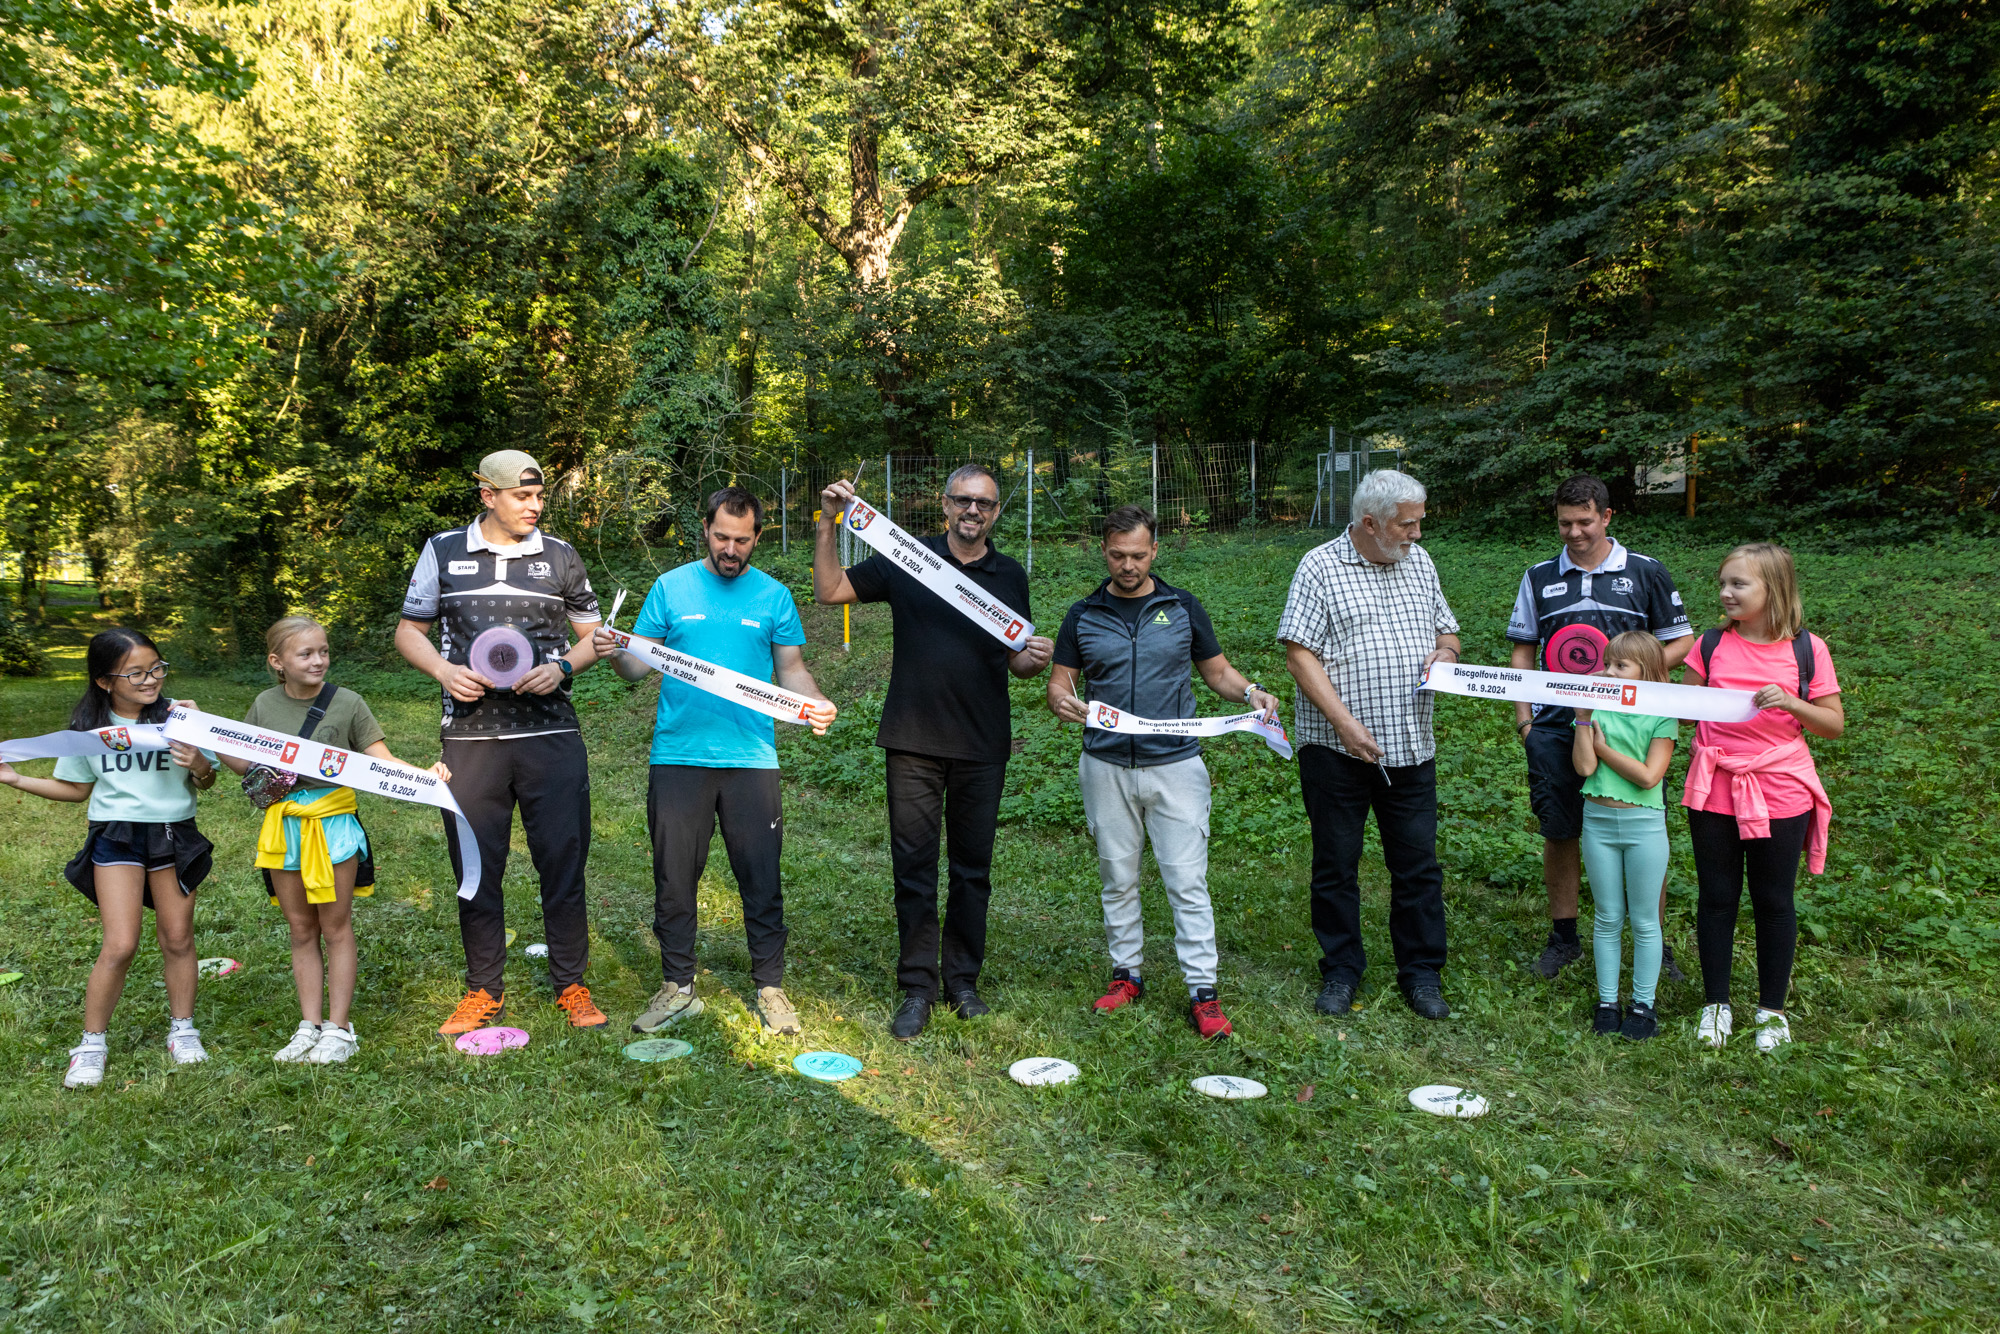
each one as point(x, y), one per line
point(1555, 788)
point(153, 846)
point(108, 851)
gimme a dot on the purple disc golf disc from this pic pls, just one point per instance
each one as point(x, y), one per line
point(502, 655)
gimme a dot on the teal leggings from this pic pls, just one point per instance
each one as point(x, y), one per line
point(1625, 852)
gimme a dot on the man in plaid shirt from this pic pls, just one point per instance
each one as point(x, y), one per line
point(1365, 617)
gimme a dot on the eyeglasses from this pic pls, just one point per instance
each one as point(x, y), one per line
point(157, 672)
point(981, 503)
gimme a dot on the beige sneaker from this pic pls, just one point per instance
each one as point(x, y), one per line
point(670, 1005)
point(775, 1012)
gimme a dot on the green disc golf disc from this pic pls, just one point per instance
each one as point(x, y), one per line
point(658, 1049)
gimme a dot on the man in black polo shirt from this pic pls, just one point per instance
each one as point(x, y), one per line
point(1132, 642)
point(1566, 612)
point(947, 726)
point(518, 745)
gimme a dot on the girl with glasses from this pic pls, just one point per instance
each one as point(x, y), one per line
point(142, 849)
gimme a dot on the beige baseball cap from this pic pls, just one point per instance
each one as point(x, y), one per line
point(508, 468)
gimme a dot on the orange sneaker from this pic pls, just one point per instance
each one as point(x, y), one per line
point(477, 1010)
point(583, 1011)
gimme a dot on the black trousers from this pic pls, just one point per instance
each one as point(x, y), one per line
point(549, 779)
point(1339, 792)
point(1723, 862)
point(683, 804)
point(962, 797)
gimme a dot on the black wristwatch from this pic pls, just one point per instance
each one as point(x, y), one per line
point(567, 670)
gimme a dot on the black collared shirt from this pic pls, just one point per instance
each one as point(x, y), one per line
point(948, 682)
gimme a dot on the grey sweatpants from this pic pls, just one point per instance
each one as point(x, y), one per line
point(1170, 802)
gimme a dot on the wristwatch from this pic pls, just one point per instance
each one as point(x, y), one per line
point(1247, 689)
point(567, 670)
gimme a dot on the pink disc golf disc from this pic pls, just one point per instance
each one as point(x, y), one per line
point(502, 655)
point(1577, 649)
point(488, 1041)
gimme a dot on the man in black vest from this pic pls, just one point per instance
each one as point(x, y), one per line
point(514, 746)
point(947, 726)
point(1567, 611)
point(1131, 644)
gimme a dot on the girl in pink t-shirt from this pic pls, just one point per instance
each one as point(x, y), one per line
point(1755, 802)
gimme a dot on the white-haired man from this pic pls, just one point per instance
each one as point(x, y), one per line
point(1365, 617)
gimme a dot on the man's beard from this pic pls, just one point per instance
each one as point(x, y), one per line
point(730, 566)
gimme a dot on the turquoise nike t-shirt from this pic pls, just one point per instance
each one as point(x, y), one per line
point(732, 623)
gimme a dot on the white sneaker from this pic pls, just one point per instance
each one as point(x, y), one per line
point(184, 1045)
point(336, 1044)
point(1716, 1025)
point(86, 1066)
point(303, 1040)
point(1772, 1030)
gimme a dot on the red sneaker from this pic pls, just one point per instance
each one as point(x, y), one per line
point(1124, 990)
point(1205, 1013)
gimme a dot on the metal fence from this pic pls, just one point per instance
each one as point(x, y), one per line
point(1048, 493)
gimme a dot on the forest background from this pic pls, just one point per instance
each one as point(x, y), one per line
point(273, 275)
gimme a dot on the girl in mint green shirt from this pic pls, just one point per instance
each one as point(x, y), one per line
point(1623, 758)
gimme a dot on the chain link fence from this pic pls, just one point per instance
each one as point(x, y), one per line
point(1048, 493)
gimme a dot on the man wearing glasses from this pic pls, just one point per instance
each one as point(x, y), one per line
point(947, 726)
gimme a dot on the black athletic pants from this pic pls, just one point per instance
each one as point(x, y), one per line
point(1339, 791)
point(683, 804)
point(1723, 861)
point(549, 779)
point(962, 797)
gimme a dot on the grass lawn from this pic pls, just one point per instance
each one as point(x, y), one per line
point(1845, 1183)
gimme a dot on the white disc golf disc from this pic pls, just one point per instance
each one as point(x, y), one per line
point(1039, 1070)
point(1445, 1100)
point(537, 951)
point(216, 967)
point(1230, 1088)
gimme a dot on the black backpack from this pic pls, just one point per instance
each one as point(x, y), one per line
point(1801, 650)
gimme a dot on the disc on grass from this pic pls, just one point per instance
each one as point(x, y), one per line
point(1038, 1070)
point(487, 1041)
point(1445, 1100)
point(832, 1066)
point(216, 967)
point(502, 655)
point(9, 979)
point(536, 951)
point(658, 1049)
point(510, 937)
point(1577, 649)
point(1231, 1088)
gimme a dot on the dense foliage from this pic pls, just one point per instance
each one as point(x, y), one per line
point(275, 274)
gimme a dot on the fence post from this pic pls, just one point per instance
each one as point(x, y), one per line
point(1253, 481)
point(1156, 478)
point(1031, 510)
point(784, 513)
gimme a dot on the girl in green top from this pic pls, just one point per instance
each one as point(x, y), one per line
point(1623, 758)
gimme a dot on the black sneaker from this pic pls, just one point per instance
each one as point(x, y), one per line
point(1336, 997)
point(1556, 955)
point(966, 1001)
point(911, 1016)
point(1668, 968)
point(1605, 1019)
point(1640, 1023)
point(1426, 1001)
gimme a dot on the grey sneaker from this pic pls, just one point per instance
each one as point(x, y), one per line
point(670, 1005)
point(775, 1012)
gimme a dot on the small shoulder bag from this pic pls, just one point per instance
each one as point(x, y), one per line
point(265, 786)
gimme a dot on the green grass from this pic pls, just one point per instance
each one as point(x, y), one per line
point(1845, 1184)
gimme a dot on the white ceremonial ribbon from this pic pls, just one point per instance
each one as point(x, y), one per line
point(1107, 719)
point(1607, 694)
point(936, 573)
point(347, 768)
point(112, 740)
point(754, 695)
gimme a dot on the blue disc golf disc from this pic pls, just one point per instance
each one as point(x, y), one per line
point(831, 1066)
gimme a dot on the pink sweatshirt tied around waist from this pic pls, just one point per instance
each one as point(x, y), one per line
point(1753, 817)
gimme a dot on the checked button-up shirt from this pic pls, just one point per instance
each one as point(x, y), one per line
point(1371, 627)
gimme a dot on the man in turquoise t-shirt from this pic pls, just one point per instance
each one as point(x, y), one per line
point(717, 761)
